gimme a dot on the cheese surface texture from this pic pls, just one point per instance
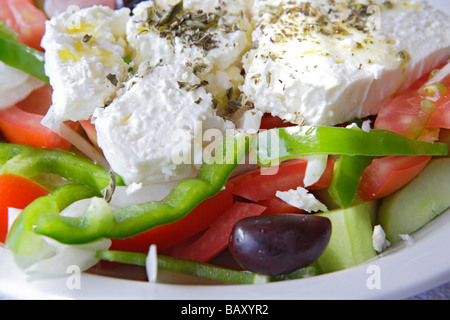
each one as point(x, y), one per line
point(326, 62)
point(144, 131)
point(84, 59)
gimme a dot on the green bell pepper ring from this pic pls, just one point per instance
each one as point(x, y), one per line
point(129, 221)
point(29, 247)
point(347, 174)
point(199, 269)
point(276, 145)
point(21, 56)
point(30, 161)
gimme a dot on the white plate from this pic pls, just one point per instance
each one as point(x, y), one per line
point(412, 269)
point(415, 268)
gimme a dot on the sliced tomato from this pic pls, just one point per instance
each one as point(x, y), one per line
point(256, 186)
point(386, 175)
point(277, 206)
point(23, 127)
point(269, 121)
point(400, 113)
point(91, 133)
point(168, 235)
point(444, 137)
point(23, 17)
point(38, 101)
point(215, 239)
point(16, 192)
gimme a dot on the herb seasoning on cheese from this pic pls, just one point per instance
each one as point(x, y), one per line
point(326, 62)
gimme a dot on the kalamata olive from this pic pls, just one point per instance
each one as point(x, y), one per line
point(127, 3)
point(279, 244)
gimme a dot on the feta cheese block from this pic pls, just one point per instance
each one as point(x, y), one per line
point(84, 59)
point(152, 132)
point(208, 36)
point(327, 62)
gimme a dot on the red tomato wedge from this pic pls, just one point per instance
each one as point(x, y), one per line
point(388, 174)
point(23, 17)
point(277, 206)
point(256, 186)
point(23, 127)
point(269, 121)
point(38, 101)
point(89, 129)
point(168, 235)
point(399, 114)
point(16, 192)
point(215, 239)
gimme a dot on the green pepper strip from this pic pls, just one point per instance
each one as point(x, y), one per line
point(347, 174)
point(132, 220)
point(28, 246)
point(21, 56)
point(89, 179)
point(200, 269)
point(30, 161)
point(281, 144)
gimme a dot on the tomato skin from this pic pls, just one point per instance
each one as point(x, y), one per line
point(168, 235)
point(269, 121)
point(16, 192)
point(38, 101)
point(386, 175)
point(278, 206)
point(403, 115)
point(398, 114)
point(256, 186)
point(23, 127)
point(216, 238)
point(23, 17)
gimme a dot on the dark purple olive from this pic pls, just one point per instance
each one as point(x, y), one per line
point(127, 3)
point(279, 244)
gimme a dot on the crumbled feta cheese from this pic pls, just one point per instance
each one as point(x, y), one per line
point(248, 120)
point(325, 63)
point(302, 199)
point(366, 126)
point(133, 188)
point(212, 51)
point(379, 239)
point(84, 59)
point(407, 239)
point(314, 169)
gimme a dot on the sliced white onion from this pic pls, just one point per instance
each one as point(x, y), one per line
point(66, 257)
point(130, 195)
point(15, 85)
point(55, 258)
point(13, 213)
point(57, 126)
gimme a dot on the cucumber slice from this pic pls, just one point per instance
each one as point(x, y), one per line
point(419, 202)
point(351, 238)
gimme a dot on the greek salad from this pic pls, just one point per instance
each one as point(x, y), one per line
point(294, 138)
